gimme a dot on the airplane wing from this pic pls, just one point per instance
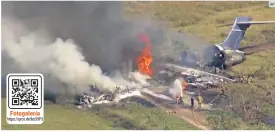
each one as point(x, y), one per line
point(248, 23)
point(201, 73)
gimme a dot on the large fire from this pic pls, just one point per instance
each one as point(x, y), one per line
point(145, 59)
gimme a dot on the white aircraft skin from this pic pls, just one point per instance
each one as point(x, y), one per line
point(196, 72)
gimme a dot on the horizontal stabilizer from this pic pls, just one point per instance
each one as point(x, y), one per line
point(249, 23)
point(257, 22)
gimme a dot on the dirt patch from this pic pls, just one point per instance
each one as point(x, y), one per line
point(185, 112)
point(248, 50)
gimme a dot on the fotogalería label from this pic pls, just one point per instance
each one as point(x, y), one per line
point(25, 101)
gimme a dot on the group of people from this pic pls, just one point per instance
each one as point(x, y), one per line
point(246, 79)
point(199, 99)
point(179, 99)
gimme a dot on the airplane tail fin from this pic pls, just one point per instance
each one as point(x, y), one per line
point(238, 30)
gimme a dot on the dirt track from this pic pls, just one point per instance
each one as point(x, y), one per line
point(248, 50)
point(182, 111)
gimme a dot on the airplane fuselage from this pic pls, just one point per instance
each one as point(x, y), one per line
point(227, 54)
point(231, 57)
point(214, 56)
point(234, 57)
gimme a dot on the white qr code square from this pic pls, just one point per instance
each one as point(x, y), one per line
point(271, 3)
point(25, 91)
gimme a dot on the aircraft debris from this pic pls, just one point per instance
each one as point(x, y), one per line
point(87, 100)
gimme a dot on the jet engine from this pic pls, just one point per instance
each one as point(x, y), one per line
point(214, 56)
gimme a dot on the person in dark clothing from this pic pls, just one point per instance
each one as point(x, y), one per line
point(192, 102)
point(222, 92)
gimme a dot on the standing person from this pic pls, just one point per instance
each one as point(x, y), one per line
point(177, 99)
point(222, 91)
point(181, 100)
point(192, 102)
point(249, 79)
point(183, 87)
point(200, 100)
point(246, 79)
point(181, 97)
point(242, 78)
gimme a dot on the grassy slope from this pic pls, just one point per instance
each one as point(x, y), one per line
point(201, 19)
point(67, 118)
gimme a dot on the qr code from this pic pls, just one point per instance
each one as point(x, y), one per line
point(271, 3)
point(24, 92)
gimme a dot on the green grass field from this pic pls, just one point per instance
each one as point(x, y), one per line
point(134, 117)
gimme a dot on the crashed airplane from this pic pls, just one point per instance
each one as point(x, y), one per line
point(209, 70)
point(196, 71)
point(228, 53)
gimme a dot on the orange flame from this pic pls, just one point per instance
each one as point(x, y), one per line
point(145, 59)
point(184, 84)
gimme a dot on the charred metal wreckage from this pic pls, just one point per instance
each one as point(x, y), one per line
point(86, 100)
point(195, 78)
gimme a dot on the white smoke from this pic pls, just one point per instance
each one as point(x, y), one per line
point(62, 59)
point(176, 87)
point(161, 96)
point(140, 78)
point(130, 82)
